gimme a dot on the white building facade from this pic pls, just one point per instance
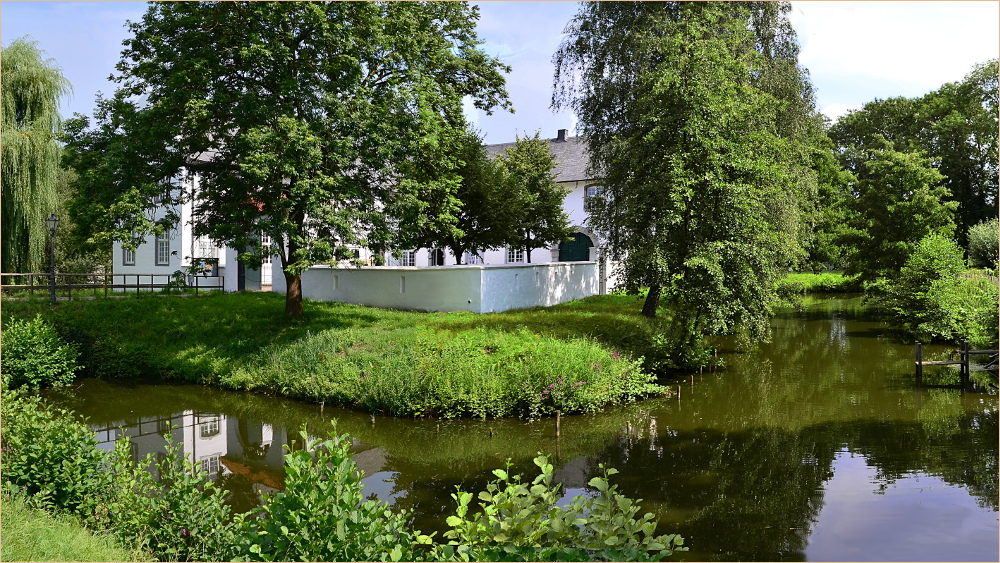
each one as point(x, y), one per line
point(163, 259)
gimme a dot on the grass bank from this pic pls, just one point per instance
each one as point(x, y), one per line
point(826, 282)
point(576, 357)
point(33, 534)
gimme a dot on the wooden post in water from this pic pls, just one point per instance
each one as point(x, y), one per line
point(558, 414)
point(920, 362)
point(964, 369)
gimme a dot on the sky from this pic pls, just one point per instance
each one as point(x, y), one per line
point(855, 51)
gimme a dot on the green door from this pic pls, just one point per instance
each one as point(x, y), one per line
point(575, 250)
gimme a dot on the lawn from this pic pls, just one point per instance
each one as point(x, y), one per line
point(575, 357)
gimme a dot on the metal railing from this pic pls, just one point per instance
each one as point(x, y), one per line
point(93, 284)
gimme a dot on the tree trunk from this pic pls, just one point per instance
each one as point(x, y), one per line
point(293, 295)
point(652, 301)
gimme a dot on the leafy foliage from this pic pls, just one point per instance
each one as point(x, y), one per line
point(299, 119)
point(932, 299)
point(50, 457)
point(536, 200)
point(322, 514)
point(956, 126)
point(485, 211)
point(33, 87)
point(34, 356)
point(984, 244)
point(520, 521)
point(899, 199)
point(703, 193)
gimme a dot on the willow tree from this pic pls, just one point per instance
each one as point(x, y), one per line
point(700, 200)
point(32, 88)
point(311, 119)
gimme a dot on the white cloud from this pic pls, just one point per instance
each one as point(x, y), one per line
point(922, 44)
point(470, 111)
point(834, 111)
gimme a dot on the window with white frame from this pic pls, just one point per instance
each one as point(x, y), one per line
point(409, 258)
point(210, 464)
point(208, 426)
point(162, 251)
point(128, 257)
point(205, 248)
point(515, 255)
point(471, 258)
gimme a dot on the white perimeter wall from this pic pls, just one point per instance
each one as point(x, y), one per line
point(477, 288)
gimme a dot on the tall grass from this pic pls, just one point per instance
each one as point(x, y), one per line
point(32, 534)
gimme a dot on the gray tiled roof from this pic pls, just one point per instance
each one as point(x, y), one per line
point(571, 157)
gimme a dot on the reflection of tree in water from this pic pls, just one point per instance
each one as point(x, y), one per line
point(965, 455)
point(732, 495)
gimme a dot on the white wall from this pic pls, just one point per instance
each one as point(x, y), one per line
point(479, 289)
point(518, 287)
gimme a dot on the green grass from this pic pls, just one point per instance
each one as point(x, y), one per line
point(32, 534)
point(826, 282)
point(575, 357)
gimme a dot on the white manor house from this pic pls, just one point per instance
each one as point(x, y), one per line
point(501, 279)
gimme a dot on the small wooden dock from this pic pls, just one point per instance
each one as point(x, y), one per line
point(964, 355)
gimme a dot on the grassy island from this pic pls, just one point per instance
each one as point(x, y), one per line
point(575, 358)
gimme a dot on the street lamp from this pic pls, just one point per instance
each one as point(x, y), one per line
point(53, 223)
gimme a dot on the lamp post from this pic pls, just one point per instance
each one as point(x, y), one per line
point(53, 224)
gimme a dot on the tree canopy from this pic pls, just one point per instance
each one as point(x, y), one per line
point(32, 89)
point(483, 210)
point(306, 116)
point(705, 176)
point(898, 200)
point(955, 125)
point(535, 201)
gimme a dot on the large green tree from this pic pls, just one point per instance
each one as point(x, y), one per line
point(955, 125)
point(485, 213)
point(537, 217)
point(32, 89)
point(898, 200)
point(702, 177)
point(306, 116)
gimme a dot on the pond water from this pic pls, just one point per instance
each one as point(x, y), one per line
point(818, 446)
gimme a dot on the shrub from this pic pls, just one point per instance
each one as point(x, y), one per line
point(519, 521)
point(984, 239)
point(322, 514)
point(50, 456)
point(33, 355)
point(931, 298)
point(183, 517)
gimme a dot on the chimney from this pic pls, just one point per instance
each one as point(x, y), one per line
point(561, 137)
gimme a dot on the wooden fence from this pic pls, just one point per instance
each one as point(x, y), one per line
point(95, 284)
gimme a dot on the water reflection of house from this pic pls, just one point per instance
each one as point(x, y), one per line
point(202, 437)
point(248, 456)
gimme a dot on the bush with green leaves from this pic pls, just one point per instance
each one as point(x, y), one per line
point(521, 521)
point(181, 517)
point(33, 356)
point(931, 298)
point(51, 457)
point(984, 244)
point(322, 514)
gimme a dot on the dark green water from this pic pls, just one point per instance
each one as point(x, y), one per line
point(816, 447)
